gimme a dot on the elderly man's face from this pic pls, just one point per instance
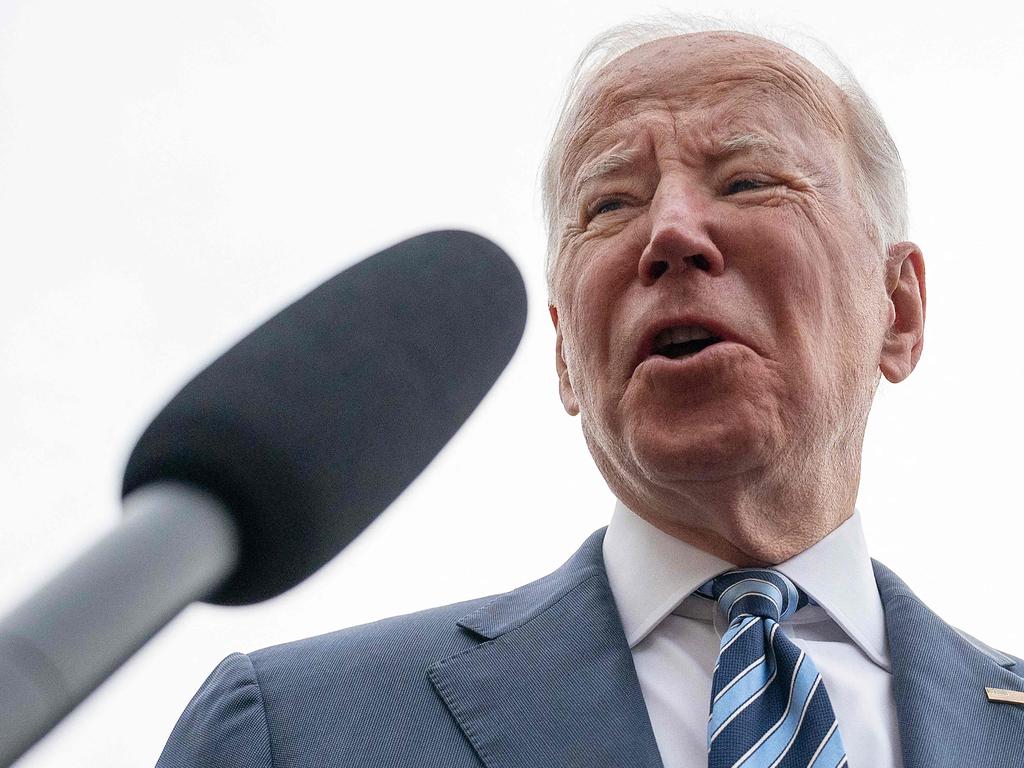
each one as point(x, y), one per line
point(720, 303)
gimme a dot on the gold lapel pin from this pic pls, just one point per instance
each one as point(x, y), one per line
point(1005, 696)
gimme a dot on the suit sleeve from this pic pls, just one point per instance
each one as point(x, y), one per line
point(225, 724)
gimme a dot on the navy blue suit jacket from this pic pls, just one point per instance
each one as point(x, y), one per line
point(542, 677)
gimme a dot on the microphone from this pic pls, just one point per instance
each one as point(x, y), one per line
point(271, 460)
point(312, 425)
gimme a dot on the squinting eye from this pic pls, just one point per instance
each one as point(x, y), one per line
point(744, 185)
point(607, 206)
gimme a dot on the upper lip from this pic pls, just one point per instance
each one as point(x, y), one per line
point(646, 346)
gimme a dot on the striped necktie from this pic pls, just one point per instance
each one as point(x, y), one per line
point(769, 706)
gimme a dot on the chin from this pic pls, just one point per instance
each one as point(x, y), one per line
point(710, 448)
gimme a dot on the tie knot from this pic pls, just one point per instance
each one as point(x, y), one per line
point(755, 592)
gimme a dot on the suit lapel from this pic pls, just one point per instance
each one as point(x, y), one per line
point(939, 679)
point(552, 682)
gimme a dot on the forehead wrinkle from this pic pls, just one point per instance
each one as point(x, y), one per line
point(744, 57)
point(625, 81)
point(761, 82)
point(621, 92)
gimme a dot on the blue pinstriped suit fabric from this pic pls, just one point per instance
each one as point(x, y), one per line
point(541, 677)
point(769, 707)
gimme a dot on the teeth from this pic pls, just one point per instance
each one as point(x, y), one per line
point(681, 335)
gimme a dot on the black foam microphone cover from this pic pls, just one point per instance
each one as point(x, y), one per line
point(313, 424)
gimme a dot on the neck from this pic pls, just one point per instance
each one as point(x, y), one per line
point(754, 519)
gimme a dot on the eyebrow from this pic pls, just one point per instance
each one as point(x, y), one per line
point(611, 162)
point(605, 165)
point(744, 142)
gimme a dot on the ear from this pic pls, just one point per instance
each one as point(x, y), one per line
point(904, 339)
point(569, 401)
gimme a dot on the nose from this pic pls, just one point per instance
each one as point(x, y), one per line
point(678, 239)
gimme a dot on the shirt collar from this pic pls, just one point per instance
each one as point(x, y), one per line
point(651, 572)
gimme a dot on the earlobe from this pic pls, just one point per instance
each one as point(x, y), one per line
point(565, 391)
point(905, 284)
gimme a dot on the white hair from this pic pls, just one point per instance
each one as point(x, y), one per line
point(880, 188)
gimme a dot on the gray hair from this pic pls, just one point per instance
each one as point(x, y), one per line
point(880, 188)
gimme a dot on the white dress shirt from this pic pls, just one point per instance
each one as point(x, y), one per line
point(675, 645)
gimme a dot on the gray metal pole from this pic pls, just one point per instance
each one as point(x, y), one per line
point(175, 545)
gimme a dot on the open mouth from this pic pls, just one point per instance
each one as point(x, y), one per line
point(682, 341)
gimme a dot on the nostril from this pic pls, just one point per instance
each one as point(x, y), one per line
point(700, 262)
point(657, 269)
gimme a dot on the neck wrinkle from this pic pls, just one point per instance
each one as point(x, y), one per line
point(751, 522)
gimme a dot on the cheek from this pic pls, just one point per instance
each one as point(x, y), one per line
point(805, 278)
point(591, 289)
point(585, 344)
point(595, 282)
point(825, 305)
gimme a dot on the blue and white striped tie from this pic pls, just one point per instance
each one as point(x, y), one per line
point(769, 707)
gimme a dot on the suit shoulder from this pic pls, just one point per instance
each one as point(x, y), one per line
point(325, 697)
point(224, 724)
point(388, 648)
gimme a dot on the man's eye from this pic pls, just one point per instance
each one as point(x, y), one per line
point(745, 185)
point(607, 206)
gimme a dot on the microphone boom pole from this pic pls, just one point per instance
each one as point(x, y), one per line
point(176, 545)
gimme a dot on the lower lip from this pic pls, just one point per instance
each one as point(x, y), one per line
point(715, 353)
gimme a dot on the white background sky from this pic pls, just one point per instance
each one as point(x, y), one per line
point(172, 173)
